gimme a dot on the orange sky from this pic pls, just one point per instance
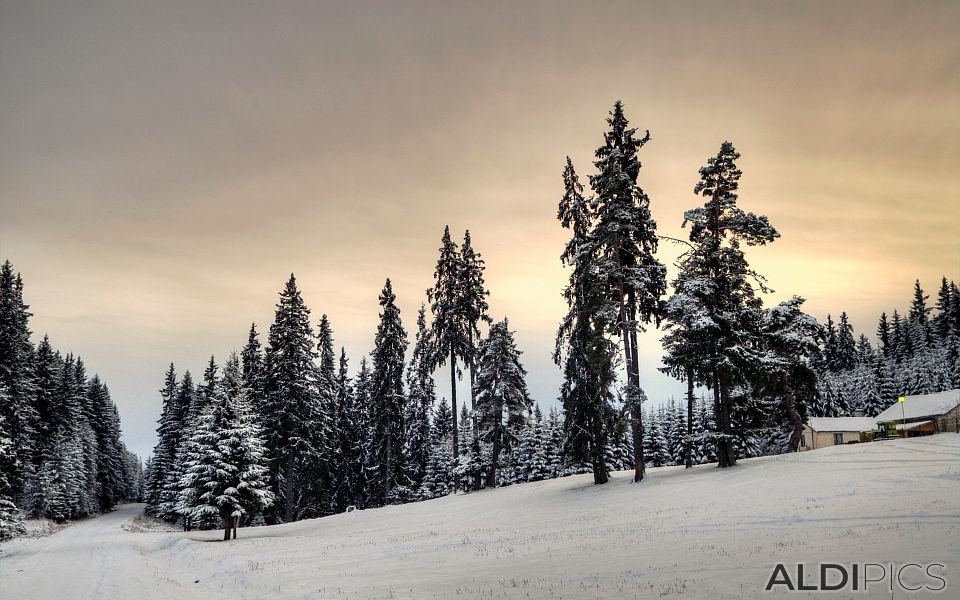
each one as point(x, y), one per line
point(164, 168)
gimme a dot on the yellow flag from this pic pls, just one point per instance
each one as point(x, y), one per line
point(901, 399)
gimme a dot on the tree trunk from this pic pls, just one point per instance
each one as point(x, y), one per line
point(236, 524)
point(288, 492)
point(718, 428)
point(456, 415)
point(793, 416)
point(386, 469)
point(688, 446)
point(227, 519)
point(725, 455)
point(600, 474)
point(495, 458)
point(633, 400)
point(473, 396)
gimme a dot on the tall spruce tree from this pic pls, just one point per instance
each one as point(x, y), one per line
point(624, 240)
point(290, 407)
point(351, 432)
point(717, 277)
point(420, 401)
point(450, 329)
point(388, 402)
point(168, 435)
point(16, 374)
point(110, 467)
point(474, 304)
point(582, 349)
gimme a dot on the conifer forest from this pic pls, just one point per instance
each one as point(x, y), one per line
point(499, 300)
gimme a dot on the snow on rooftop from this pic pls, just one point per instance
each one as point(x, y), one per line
point(842, 423)
point(926, 405)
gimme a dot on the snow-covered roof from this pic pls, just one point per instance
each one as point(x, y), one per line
point(842, 424)
point(926, 405)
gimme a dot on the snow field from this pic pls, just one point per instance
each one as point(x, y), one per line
point(698, 533)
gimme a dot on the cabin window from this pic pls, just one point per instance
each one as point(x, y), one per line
point(803, 441)
point(837, 439)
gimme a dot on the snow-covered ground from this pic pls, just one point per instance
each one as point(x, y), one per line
point(700, 533)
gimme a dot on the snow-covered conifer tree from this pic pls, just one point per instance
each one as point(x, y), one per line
point(289, 414)
point(225, 476)
point(421, 397)
point(16, 374)
point(624, 240)
point(715, 274)
point(254, 370)
point(11, 521)
point(449, 330)
point(388, 402)
point(790, 337)
point(582, 350)
point(883, 335)
point(502, 399)
point(438, 477)
point(474, 306)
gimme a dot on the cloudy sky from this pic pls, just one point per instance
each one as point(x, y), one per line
point(164, 166)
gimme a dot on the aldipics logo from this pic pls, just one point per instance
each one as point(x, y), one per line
point(858, 577)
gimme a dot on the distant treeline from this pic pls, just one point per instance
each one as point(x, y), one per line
point(61, 455)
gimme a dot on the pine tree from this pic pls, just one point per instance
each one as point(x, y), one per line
point(501, 395)
point(846, 357)
point(706, 450)
point(900, 338)
point(473, 466)
point(474, 304)
point(883, 335)
point(11, 521)
point(685, 345)
point(362, 387)
point(226, 476)
point(438, 478)
point(420, 402)
point(351, 432)
point(318, 469)
point(109, 449)
point(624, 239)
point(168, 475)
point(16, 374)
point(582, 349)
point(790, 337)
point(919, 315)
point(168, 435)
point(254, 370)
point(879, 390)
point(865, 353)
point(830, 345)
point(388, 402)
point(290, 409)
point(716, 275)
point(656, 451)
point(676, 431)
point(449, 331)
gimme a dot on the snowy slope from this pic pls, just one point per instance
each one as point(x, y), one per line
point(701, 533)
